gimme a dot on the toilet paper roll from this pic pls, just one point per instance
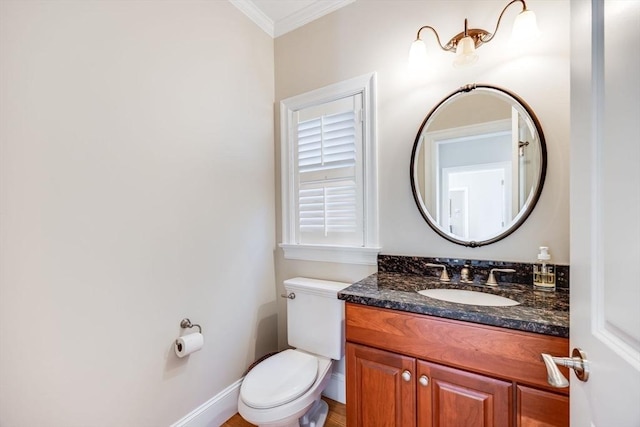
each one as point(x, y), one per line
point(187, 344)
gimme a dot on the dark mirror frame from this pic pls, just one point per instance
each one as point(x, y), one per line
point(527, 209)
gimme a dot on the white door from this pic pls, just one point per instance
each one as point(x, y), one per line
point(459, 212)
point(488, 199)
point(605, 210)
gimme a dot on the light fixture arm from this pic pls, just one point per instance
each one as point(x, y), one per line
point(435, 33)
point(489, 36)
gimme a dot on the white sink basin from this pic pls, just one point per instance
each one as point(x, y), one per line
point(468, 297)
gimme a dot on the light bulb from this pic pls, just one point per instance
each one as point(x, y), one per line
point(525, 27)
point(418, 55)
point(465, 53)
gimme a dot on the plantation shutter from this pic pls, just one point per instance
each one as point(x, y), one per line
point(329, 186)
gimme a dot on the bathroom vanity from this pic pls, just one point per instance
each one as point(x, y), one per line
point(412, 360)
point(428, 343)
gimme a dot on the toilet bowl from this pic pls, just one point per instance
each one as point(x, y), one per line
point(282, 389)
point(285, 390)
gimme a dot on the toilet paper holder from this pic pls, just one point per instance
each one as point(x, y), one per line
point(186, 323)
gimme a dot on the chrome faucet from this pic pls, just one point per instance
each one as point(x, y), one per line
point(491, 280)
point(444, 277)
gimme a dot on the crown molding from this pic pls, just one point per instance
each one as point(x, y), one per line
point(310, 13)
point(289, 23)
point(256, 15)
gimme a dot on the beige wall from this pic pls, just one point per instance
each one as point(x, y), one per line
point(136, 189)
point(374, 35)
point(134, 192)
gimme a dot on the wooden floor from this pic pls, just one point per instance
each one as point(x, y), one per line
point(337, 416)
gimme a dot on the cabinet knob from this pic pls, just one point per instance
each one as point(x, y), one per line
point(424, 380)
point(406, 375)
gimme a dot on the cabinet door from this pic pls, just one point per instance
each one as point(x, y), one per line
point(454, 398)
point(538, 408)
point(377, 393)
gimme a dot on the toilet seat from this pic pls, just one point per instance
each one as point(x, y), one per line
point(288, 413)
point(279, 379)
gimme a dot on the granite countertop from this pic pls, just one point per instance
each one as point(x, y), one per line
point(540, 312)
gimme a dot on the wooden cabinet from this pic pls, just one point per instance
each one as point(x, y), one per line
point(384, 398)
point(396, 390)
point(410, 370)
point(452, 397)
point(539, 408)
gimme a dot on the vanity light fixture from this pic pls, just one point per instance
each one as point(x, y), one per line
point(464, 44)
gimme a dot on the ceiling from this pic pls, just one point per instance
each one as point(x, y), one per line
point(277, 17)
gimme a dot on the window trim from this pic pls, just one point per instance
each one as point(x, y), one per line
point(366, 254)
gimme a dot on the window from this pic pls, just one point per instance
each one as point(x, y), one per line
point(329, 191)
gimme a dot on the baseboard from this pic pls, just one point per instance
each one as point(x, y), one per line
point(224, 405)
point(336, 388)
point(215, 411)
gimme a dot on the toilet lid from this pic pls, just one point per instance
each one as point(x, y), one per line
point(279, 379)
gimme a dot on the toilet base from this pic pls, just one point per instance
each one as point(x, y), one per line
point(316, 415)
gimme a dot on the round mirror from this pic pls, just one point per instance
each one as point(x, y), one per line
point(478, 165)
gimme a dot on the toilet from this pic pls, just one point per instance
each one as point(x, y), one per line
point(284, 390)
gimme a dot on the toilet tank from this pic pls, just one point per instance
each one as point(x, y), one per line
point(315, 317)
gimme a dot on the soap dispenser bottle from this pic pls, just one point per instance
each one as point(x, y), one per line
point(544, 273)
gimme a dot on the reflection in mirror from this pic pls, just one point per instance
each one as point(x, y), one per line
point(478, 165)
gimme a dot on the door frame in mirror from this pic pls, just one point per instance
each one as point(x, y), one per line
point(524, 213)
